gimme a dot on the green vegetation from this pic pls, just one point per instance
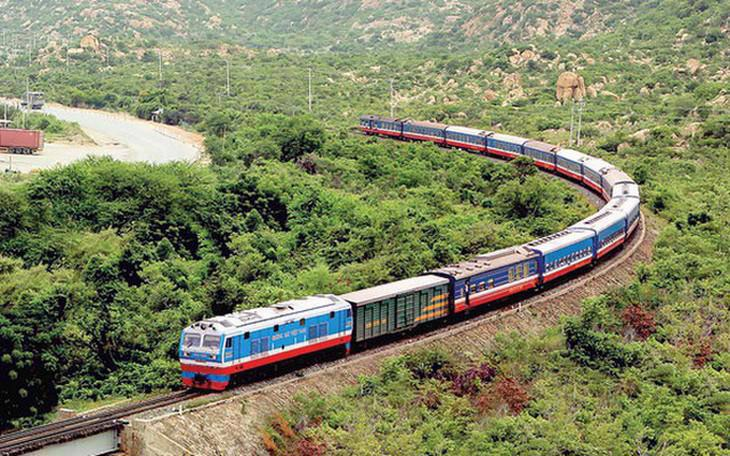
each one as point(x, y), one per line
point(103, 263)
point(593, 386)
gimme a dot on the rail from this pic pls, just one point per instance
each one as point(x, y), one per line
point(25, 440)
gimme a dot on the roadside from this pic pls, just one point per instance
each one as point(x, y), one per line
point(117, 135)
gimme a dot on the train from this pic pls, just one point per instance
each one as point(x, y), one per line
point(17, 141)
point(213, 351)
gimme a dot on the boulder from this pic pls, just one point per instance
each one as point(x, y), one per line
point(90, 42)
point(519, 58)
point(693, 66)
point(570, 86)
point(604, 125)
point(489, 95)
point(516, 93)
point(512, 80)
point(641, 135)
point(528, 55)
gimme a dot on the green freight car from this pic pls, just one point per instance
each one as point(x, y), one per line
point(398, 306)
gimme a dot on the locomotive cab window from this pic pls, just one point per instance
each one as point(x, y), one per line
point(192, 340)
point(211, 341)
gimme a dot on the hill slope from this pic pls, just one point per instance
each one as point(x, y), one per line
point(314, 23)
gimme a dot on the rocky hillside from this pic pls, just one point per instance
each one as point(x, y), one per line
point(332, 23)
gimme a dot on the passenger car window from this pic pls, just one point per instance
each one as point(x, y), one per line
point(229, 342)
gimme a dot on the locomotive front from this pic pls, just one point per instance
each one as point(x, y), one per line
point(200, 356)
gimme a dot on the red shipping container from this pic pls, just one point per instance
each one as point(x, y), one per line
point(11, 138)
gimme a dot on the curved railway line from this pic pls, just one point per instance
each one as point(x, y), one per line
point(26, 440)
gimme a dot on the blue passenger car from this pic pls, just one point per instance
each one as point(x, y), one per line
point(608, 229)
point(563, 252)
point(505, 145)
point(491, 276)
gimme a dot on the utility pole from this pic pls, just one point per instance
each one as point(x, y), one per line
point(228, 77)
point(392, 99)
point(572, 116)
point(581, 105)
point(27, 101)
point(310, 89)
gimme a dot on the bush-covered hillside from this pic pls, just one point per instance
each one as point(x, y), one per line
point(336, 24)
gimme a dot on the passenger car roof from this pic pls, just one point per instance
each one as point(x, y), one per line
point(470, 131)
point(509, 138)
point(558, 240)
point(487, 262)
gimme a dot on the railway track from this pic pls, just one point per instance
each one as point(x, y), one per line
point(25, 440)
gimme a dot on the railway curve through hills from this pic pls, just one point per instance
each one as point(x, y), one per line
point(527, 313)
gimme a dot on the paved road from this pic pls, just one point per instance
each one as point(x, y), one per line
point(120, 136)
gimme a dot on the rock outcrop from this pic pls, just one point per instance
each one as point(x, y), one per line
point(489, 95)
point(90, 43)
point(570, 86)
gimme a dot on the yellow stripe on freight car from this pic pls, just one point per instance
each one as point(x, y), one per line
point(433, 306)
point(373, 323)
point(429, 316)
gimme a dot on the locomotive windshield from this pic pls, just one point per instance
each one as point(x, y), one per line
point(192, 340)
point(211, 341)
